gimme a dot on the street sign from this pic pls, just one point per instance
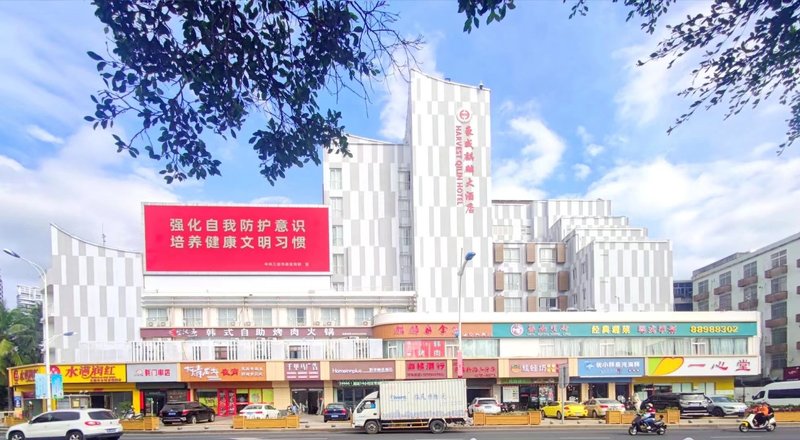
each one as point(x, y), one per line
point(41, 385)
point(57, 381)
point(563, 375)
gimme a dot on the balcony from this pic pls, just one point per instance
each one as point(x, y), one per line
point(751, 304)
point(776, 322)
point(776, 271)
point(722, 289)
point(236, 350)
point(704, 296)
point(747, 281)
point(775, 297)
point(776, 348)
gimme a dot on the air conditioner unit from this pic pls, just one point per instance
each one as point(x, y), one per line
point(248, 324)
point(232, 324)
point(317, 323)
point(365, 322)
point(162, 323)
point(151, 323)
point(329, 323)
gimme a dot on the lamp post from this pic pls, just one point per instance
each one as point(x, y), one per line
point(45, 329)
point(460, 357)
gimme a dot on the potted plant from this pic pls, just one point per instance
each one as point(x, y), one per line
point(673, 415)
point(535, 417)
point(613, 417)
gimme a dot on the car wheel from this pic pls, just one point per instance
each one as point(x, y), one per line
point(437, 427)
point(74, 435)
point(558, 414)
point(16, 435)
point(372, 427)
point(594, 414)
point(718, 412)
point(212, 417)
point(191, 420)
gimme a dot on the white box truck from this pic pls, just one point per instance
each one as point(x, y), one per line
point(413, 404)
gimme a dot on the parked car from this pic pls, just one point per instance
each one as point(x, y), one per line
point(487, 405)
point(69, 424)
point(260, 411)
point(335, 411)
point(722, 406)
point(690, 404)
point(186, 412)
point(598, 407)
point(571, 409)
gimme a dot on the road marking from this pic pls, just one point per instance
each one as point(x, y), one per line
point(585, 438)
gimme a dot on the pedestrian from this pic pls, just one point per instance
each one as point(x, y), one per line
point(637, 402)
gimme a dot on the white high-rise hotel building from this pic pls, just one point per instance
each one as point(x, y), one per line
point(403, 215)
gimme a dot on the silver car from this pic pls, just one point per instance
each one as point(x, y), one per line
point(722, 406)
point(487, 405)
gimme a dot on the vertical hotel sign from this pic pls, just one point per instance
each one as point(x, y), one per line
point(465, 161)
point(194, 238)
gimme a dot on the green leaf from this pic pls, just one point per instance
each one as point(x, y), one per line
point(94, 56)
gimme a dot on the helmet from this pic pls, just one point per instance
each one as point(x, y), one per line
point(649, 405)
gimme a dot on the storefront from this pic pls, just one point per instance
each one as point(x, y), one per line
point(306, 386)
point(533, 382)
point(227, 387)
point(101, 385)
point(157, 385)
point(709, 375)
point(609, 377)
point(353, 380)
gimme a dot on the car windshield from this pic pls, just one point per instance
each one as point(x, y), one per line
point(606, 401)
point(486, 402)
point(692, 396)
point(251, 407)
point(722, 399)
point(335, 406)
point(101, 415)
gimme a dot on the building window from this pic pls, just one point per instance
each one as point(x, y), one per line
point(545, 304)
point(526, 233)
point(157, 316)
point(778, 361)
point(502, 232)
point(336, 207)
point(725, 279)
point(702, 306)
point(262, 317)
point(337, 232)
point(702, 287)
point(406, 287)
point(338, 264)
point(750, 270)
point(364, 315)
point(396, 309)
point(404, 178)
point(546, 282)
point(512, 304)
point(405, 209)
point(778, 310)
point(338, 286)
point(226, 316)
point(193, 317)
point(547, 255)
point(513, 281)
point(511, 255)
point(298, 352)
point(699, 347)
point(297, 317)
point(778, 259)
point(330, 316)
point(725, 302)
point(221, 353)
point(336, 178)
point(405, 264)
point(751, 293)
point(779, 336)
point(405, 235)
point(778, 284)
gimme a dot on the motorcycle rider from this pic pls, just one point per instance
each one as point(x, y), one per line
point(649, 416)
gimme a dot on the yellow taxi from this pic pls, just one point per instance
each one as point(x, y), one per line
point(571, 409)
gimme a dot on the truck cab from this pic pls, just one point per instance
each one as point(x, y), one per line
point(367, 409)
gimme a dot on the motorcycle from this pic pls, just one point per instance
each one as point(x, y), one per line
point(639, 425)
point(749, 423)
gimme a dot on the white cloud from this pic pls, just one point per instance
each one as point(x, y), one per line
point(581, 170)
point(272, 200)
point(43, 135)
point(86, 188)
point(395, 99)
point(584, 134)
point(708, 210)
point(516, 176)
point(594, 150)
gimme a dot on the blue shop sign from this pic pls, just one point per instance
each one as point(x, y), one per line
point(611, 367)
point(632, 329)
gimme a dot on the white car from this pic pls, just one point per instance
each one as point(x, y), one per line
point(260, 411)
point(69, 424)
point(487, 405)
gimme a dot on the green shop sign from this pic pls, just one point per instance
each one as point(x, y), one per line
point(632, 329)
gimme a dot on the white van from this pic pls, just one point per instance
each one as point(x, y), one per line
point(779, 393)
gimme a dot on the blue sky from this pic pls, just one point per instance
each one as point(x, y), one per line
point(572, 116)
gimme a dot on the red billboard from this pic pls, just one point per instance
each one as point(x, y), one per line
point(192, 238)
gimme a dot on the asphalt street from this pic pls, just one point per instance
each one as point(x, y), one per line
point(782, 433)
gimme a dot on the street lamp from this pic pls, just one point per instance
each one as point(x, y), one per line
point(45, 329)
point(460, 359)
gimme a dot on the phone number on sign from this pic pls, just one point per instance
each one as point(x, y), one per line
point(714, 329)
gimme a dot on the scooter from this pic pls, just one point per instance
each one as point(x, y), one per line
point(749, 423)
point(639, 425)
